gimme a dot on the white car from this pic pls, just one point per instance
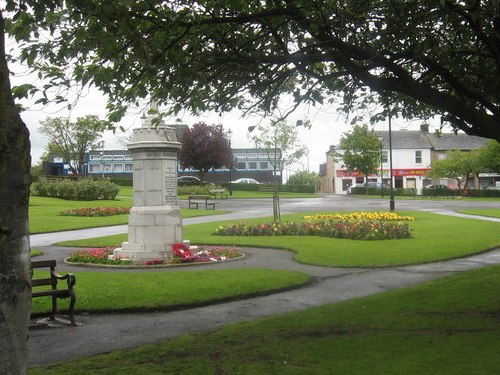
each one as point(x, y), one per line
point(245, 181)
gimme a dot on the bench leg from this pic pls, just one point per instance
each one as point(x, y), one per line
point(71, 308)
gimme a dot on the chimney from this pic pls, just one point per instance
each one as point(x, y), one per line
point(424, 128)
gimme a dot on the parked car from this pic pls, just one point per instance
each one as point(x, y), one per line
point(437, 186)
point(371, 185)
point(349, 189)
point(189, 180)
point(245, 181)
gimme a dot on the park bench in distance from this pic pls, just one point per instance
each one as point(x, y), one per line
point(268, 189)
point(195, 200)
point(222, 193)
point(53, 291)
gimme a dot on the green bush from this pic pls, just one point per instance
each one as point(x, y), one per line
point(441, 192)
point(297, 188)
point(194, 189)
point(123, 181)
point(242, 187)
point(482, 193)
point(84, 190)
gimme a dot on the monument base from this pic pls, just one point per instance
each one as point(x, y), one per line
point(151, 232)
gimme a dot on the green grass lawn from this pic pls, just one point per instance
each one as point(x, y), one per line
point(490, 212)
point(435, 237)
point(115, 291)
point(44, 214)
point(445, 327)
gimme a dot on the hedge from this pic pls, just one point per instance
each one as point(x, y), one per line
point(84, 190)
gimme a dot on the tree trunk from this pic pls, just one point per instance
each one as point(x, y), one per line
point(15, 271)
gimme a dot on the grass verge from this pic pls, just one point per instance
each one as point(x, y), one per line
point(489, 212)
point(105, 291)
point(44, 214)
point(448, 327)
point(435, 237)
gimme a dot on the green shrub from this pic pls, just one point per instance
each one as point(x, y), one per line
point(123, 181)
point(483, 193)
point(194, 189)
point(441, 192)
point(85, 189)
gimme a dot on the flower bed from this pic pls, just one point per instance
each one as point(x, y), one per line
point(101, 256)
point(361, 226)
point(384, 216)
point(97, 256)
point(96, 211)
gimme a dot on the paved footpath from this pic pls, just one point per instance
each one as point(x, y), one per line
point(102, 333)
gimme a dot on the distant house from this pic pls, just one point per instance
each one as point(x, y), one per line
point(412, 154)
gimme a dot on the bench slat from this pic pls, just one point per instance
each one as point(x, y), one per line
point(43, 263)
point(39, 282)
point(46, 293)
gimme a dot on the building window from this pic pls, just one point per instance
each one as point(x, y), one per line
point(108, 167)
point(385, 158)
point(117, 157)
point(127, 157)
point(252, 155)
point(118, 168)
point(252, 165)
point(264, 165)
point(107, 157)
point(95, 157)
point(241, 165)
point(128, 167)
point(263, 156)
point(240, 155)
point(94, 168)
point(418, 157)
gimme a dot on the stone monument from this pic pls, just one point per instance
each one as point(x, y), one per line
point(155, 219)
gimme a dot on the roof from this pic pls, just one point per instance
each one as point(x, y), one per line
point(405, 139)
point(459, 141)
point(416, 139)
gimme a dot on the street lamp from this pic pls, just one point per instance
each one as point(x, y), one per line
point(102, 163)
point(230, 160)
point(391, 200)
point(381, 138)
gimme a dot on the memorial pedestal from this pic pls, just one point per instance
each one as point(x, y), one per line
point(155, 220)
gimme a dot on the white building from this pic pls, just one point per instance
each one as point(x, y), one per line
point(412, 154)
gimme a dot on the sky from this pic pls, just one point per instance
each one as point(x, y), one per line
point(327, 124)
point(326, 129)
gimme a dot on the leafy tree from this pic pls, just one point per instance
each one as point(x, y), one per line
point(489, 157)
point(303, 178)
point(205, 147)
point(427, 57)
point(72, 140)
point(424, 58)
point(361, 151)
point(281, 143)
point(457, 165)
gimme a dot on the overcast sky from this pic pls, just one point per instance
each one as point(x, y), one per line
point(327, 125)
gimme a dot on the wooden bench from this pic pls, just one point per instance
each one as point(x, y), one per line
point(195, 200)
point(54, 292)
point(268, 189)
point(222, 193)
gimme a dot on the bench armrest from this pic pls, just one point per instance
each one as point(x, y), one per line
point(71, 279)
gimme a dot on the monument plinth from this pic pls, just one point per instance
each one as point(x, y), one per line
point(155, 221)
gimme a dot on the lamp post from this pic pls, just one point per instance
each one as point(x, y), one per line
point(102, 163)
point(381, 138)
point(230, 160)
point(391, 200)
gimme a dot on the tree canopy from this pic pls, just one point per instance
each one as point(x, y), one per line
point(72, 140)
point(457, 165)
point(415, 58)
point(205, 147)
point(361, 150)
point(280, 141)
